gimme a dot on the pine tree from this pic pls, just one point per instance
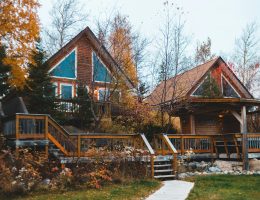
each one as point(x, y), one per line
point(4, 73)
point(84, 115)
point(39, 89)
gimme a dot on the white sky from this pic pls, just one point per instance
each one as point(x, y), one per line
point(221, 20)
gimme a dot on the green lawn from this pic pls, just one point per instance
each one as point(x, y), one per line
point(134, 190)
point(221, 187)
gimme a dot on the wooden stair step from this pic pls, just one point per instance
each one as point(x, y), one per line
point(162, 165)
point(164, 170)
point(165, 176)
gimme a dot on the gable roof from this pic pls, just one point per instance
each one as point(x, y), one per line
point(182, 85)
point(101, 49)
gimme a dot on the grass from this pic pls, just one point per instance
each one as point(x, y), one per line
point(134, 190)
point(225, 187)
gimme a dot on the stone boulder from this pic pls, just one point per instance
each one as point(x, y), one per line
point(254, 165)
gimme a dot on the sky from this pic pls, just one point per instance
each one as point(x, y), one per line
point(221, 20)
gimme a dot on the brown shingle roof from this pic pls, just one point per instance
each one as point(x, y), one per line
point(178, 86)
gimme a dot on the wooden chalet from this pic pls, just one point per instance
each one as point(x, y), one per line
point(85, 61)
point(213, 106)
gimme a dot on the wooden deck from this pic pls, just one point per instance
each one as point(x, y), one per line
point(34, 127)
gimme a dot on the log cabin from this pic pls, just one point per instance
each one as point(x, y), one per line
point(84, 60)
point(211, 102)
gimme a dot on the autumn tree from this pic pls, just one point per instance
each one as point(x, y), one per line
point(67, 17)
point(4, 73)
point(128, 48)
point(203, 52)
point(246, 57)
point(19, 28)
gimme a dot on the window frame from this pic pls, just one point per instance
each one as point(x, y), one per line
point(76, 65)
point(100, 60)
point(222, 87)
point(72, 90)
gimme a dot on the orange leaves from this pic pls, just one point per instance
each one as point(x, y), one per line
point(19, 29)
point(121, 46)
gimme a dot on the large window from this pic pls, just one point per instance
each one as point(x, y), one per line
point(66, 91)
point(228, 90)
point(202, 87)
point(103, 94)
point(101, 73)
point(66, 68)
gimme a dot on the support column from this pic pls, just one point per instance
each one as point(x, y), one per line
point(244, 138)
point(192, 124)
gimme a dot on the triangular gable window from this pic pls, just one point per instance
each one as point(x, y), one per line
point(228, 90)
point(208, 88)
point(101, 73)
point(66, 68)
point(200, 90)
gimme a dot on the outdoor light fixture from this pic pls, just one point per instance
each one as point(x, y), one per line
point(220, 115)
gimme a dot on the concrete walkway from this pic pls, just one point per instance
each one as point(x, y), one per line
point(172, 190)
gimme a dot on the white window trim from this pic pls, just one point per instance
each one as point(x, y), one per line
point(222, 87)
point(67, 84)
point(101, 63)
point(56, 88)
point(76, 64)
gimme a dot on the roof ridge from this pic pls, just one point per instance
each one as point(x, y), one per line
point(198, 65)
point(187, 71)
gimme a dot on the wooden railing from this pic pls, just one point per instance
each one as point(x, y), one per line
point(198, 143)
point(163, 146)
point(33, 126)
point(71, 106)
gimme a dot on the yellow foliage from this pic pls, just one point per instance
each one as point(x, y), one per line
point(121, 47)
point(19, 29)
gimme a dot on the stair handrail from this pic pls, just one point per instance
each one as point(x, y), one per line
point(174, 152)
point(56, 123)
point(147, 144)
point(65, 133)
point(169, 144)
point(151, 151)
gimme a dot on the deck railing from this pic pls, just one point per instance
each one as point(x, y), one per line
point(39, 126)
point(72, 106)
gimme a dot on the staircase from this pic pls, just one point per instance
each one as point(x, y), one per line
point(60, 138)
point(163, 168)
point(227, 145)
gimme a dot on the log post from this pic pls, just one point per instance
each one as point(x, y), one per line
point(46, 131)
point(192, 124)
point(79, 145)
point(175, 163)
point(244, 138)
point(152, 166)
point(182, 145)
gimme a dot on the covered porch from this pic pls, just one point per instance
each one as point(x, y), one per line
point(218, 127)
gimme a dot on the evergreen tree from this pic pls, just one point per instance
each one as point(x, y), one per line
point(4, 73)
point(39, 90)
point(84, 116)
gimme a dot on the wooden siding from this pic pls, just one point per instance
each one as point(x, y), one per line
point(207, 125)
point(185, 125)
